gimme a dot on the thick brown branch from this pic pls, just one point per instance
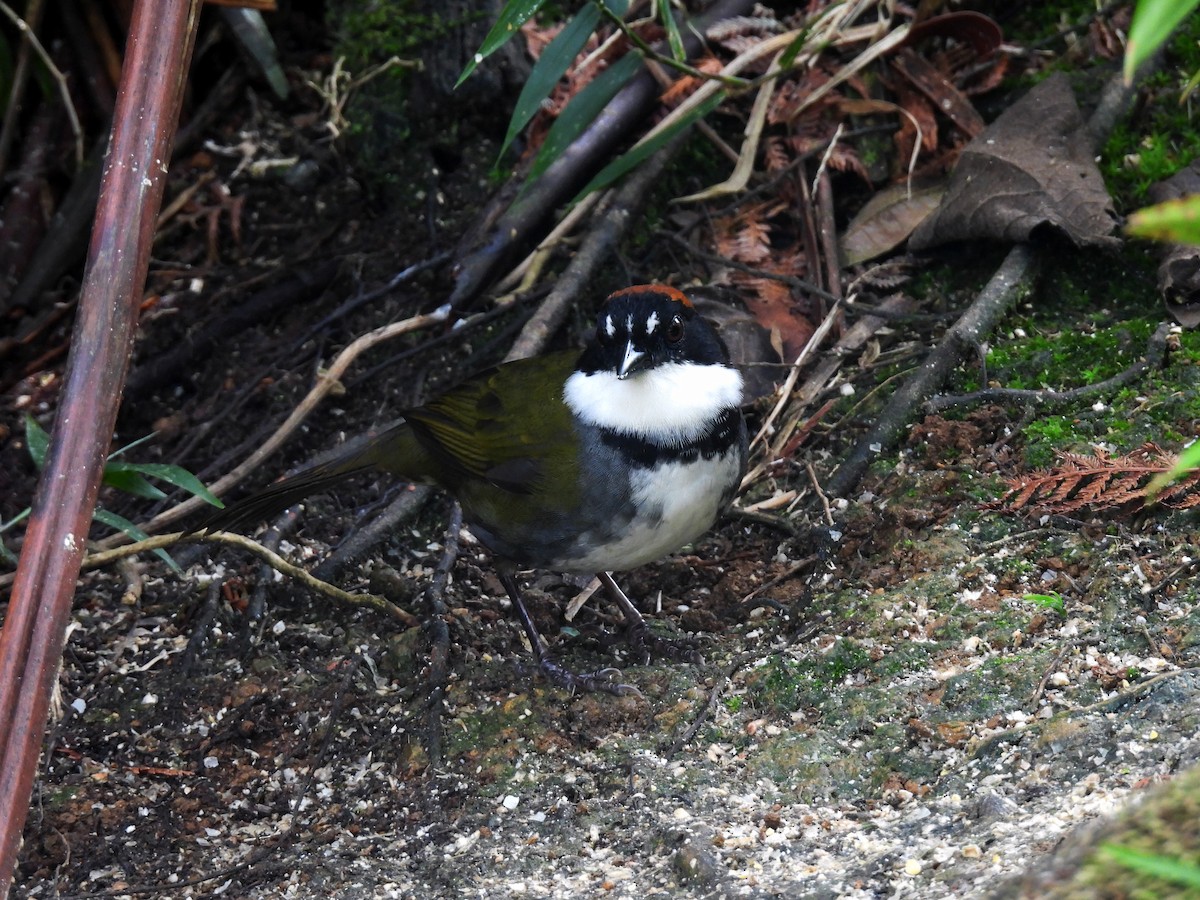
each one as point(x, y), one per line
point(157, 55)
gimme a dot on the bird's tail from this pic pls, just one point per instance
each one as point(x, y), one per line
point(362, 456)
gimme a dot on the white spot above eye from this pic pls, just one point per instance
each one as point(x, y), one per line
point(609, 327)
point(652, 323)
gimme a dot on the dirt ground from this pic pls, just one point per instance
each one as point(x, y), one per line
point(925, 698)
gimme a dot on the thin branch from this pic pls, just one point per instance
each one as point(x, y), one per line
point(18, 81)
point(669, 61)
point(1155, 352)
point(327, 381)
point(439, 651)
point(59, 78)
point(710, 707)
point(785, 392)
point(277, 562)
point(993, 302)
point(824, 163)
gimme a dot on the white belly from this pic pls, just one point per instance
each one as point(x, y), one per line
point(677, 503)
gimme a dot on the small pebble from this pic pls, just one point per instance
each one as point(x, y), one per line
point(695, 864)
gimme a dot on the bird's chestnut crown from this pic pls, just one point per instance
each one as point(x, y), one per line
point(642, 327)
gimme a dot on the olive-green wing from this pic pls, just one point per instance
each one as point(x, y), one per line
point(507, 426)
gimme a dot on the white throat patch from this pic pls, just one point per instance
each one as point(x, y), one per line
point(670, 404)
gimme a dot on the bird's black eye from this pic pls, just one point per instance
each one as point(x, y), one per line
point(675, 330)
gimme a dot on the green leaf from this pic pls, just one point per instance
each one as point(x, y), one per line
point(582, 111)
point(1153, 22)
point(554, 62)
point(639, 152)
point(176, 475)
point(793, 49)
point(1053, 600)
point(249, 29)
point(120, 523)
point(6, 554)
point(1177, 221)
point(673, 38)
point(515, 14)
point(1165, 867)
point(18, 518)
point(1188, 460)
point(550, 67)
point(123, 479)
point(36, 440)
point(132, 444)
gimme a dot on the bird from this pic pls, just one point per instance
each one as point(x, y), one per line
point(581, 462)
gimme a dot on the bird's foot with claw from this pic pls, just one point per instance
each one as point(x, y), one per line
point(605, 680)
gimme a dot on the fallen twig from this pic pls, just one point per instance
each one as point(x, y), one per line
point(1115, 701)
point(1156, 349)
point(200, 628)
point(789, 573)
point(277, 562)
point(56, 73)
point(398, 511)
point(1050, 670)
point(326, 382)
point(256, 608)
point(785, 392)
point(439, 637)
point(989, 307)
point(987, 310)
point(710, 706)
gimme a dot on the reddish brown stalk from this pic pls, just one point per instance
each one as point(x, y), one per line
point(159, 46)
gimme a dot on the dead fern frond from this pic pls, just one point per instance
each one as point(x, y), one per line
point(1100, 483)
point(752, 243)
point(776, 157)
point(885, 276)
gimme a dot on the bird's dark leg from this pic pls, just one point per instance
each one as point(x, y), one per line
point(600, 680)
point(639, 635)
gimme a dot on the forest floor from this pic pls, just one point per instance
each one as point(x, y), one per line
point(922, 694)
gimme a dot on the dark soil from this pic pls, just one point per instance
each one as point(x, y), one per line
point(891, 715)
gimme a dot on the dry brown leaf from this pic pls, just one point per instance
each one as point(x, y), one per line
point(1033, 168)
point(940, 92)
point(773, 305)
point(888, 219)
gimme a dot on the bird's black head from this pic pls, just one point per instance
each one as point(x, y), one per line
point(646, 326)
